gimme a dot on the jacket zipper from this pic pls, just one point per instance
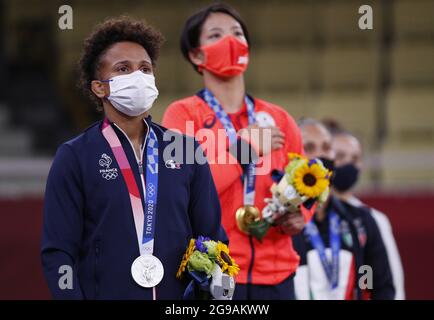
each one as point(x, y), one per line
point(139, 160)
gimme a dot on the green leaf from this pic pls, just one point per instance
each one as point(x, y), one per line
point(259, 229)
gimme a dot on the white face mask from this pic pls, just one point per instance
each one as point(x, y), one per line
point(134, 93)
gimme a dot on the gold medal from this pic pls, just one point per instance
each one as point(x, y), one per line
point(245, 216)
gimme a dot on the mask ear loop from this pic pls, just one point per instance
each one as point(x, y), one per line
point(107, 81)
point(200, 68)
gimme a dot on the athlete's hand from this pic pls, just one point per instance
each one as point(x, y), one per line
point(291, 223)
point(266, 139)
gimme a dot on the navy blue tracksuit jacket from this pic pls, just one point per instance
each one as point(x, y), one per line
point(88, 221)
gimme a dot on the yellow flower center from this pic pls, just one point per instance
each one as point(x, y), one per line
point(226, 258)
point(309, 179)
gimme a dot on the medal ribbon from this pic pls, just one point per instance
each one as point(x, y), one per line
point(144, 221)
point(331, 268)
point(250, 175)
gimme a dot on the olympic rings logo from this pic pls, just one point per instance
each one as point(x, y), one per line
point(151, 190)
point(110, 175)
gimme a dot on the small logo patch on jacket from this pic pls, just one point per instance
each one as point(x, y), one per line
point(107, 173)
point(171, 164)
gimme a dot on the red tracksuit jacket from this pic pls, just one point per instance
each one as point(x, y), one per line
point(273, 260)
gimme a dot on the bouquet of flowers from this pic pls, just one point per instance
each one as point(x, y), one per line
point(304, 182)
point(211, 269)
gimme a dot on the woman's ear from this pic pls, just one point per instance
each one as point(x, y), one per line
point(100, 89)
point(196, 57)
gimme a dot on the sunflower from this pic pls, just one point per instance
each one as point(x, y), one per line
point(225, 261)
point(310, 180)
point(190, 249)
point(293, 155)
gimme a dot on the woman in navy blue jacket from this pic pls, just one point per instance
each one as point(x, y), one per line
point(119, 212)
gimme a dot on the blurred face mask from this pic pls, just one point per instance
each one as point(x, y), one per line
point(226, 58)
point(328, 163)
point(345, 177)
point(134, 93)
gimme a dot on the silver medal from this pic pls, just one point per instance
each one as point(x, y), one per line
point(147, 270)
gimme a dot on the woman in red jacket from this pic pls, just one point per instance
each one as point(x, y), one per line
point(216, 42)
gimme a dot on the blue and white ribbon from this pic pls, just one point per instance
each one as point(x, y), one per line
point(250, 174)
point(331, 268)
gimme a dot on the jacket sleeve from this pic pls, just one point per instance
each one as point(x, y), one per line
point(392, 252)
point(62, 225)
point(204, 207)
point(224, 166)
point(375, 256)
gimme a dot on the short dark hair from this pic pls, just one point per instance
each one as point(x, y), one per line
point(106, 34)
point(334, 126)
point(337, 129)
point(193, 27)
point(306, 121)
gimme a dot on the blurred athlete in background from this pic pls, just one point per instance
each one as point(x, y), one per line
point(348, 164)
point(339, 242)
